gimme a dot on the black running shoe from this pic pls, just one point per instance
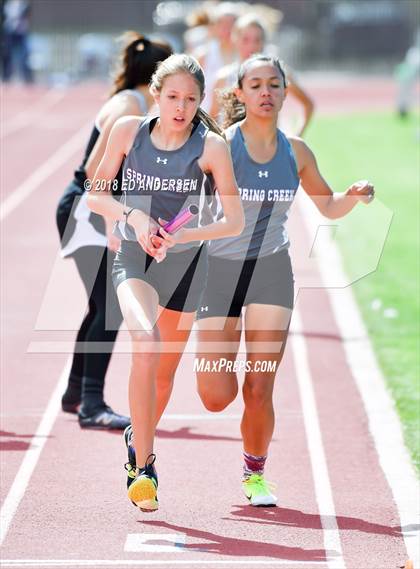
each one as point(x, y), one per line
point(142, 491)
point(104, 418)
point(130, 466)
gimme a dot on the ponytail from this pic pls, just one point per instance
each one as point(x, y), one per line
point(138, 61)
point(210, 123)
point(234, 110)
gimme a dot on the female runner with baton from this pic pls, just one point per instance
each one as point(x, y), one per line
point(169, 162)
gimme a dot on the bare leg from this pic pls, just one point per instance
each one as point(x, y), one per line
point(139, 306)
point(266, 328)
point(218, 337)
point(173, 341)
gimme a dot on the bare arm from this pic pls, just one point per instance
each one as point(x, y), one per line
point(215, 107)
point(331, 204)
point(122, 106)
point(201, 54)
point(115, 108)
point(100, 199)
point(302, 96)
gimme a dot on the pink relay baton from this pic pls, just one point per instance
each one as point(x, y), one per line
point(181, 218)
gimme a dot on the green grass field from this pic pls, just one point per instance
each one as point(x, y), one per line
point(385, 150)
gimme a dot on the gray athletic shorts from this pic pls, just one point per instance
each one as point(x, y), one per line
point(234, 284)
point(179, 279)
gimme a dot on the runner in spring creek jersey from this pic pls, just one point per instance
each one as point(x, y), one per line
point(250, 281)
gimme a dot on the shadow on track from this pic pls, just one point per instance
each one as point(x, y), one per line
point(295, 518)
point(185, 433)
point(222, 545)
point(12, 445)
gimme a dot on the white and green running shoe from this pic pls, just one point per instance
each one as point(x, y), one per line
point(258, 491)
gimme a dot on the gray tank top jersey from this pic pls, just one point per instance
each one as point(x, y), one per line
point(163, 182)
point(267, 191)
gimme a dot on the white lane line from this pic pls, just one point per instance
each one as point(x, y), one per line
point(147, 562)
point(30, 460)
point(323, 492)
point(58, 159)
point(143, 542)
point(33, 113)
point(384, 423)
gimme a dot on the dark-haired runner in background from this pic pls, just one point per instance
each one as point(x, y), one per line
point(86, 237)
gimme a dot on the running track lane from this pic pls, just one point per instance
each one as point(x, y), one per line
point(74, 506)
point(29, 246)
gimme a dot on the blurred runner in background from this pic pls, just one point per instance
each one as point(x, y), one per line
point(198, 33)
point(15, 40)
point(218, 50)
point(87, 237)
point(250, 36)
point(407, 74)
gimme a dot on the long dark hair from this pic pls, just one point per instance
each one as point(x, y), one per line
point(182, 63)
point(234, 110)
point(138, 61)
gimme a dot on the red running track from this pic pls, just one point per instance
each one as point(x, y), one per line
point(74, 509)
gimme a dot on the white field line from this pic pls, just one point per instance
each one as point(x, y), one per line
point(30, 460)
point(384, 423)
point(33, 113)
point(323, 492)
point(140, 543)
point(41, 174)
